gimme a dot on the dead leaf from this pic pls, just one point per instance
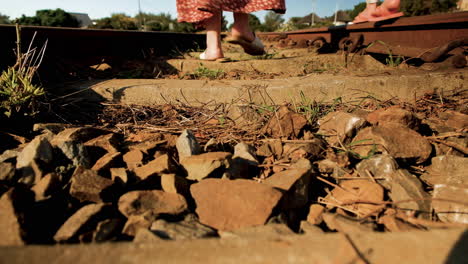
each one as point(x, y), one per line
point(353, 194)
point(285, 124)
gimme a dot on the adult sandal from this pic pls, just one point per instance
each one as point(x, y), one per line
point(254, 47)
point(203, 57)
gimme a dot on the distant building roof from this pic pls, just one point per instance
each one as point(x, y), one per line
point(83, 18)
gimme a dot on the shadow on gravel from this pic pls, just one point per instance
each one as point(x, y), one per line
point(459, 253)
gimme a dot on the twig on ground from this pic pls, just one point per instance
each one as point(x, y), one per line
point(451, 144)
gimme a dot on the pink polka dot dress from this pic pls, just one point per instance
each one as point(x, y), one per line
point(196, 11)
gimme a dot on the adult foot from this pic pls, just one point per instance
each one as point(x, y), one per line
point(246, 35)
point(212, 54)
point(367, 14)
point(387, 8)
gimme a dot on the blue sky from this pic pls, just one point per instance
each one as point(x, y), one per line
point(103, 8)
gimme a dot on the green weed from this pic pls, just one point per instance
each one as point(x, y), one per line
point(391, 60)
point(314, 110)
point(204, 72)
point(266, 56)
point(18, 94)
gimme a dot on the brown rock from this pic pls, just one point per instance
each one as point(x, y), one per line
point(80, 134)
point(88, 186)
point(400, 142)
point(202, 166)
point(107, 230)
point(119, 175)
point(13, 204)
point(73, 150)
point(146, 236)
point(347, 225)
point(310, 229)
point(244, 162)
point(107, 161)
point(393, 224)
point(229, 205)
point(172, 183)
point(138, 222)
point(30, 174)
point(383, 167)
point(189, 228)
point(285, 124)
point(46, 186)
point(145, 141)
point(315, 215)
point(327, 166)
point(454, 119)
point(449, 211)
point(133, 159)
point(9, 155)
point(7, 171)
point(313, 149)
point(271, 148)
point(162, 164)
point(54, 128)
point(295, 182)
point(156, 202)
point(401, 184)
point(394, 115)
point(264, 232)
point(110, 142)
point(340, 127)
point(447, 169)
point(187, 145)
point(405, 186)
point(84, 220)
point(38, 150)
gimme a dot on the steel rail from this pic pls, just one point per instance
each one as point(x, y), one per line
point(73, 43)
point(425, 37)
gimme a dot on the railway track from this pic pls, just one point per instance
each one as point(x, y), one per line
point(428, 38)
point(73, 44)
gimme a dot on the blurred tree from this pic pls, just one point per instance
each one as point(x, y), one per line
point(116, 21)
point(357, 9)
point(442, 6)
point(255, 23)
point(4, 19)
point(50, 18)
point(163, 22)
point(416, 7)
point(426, 7)
point(156, 22)
point(272, 22)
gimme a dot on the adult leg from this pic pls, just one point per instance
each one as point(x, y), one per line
point(241, 27)
point(213, 37)
point(242, 34)
point(367, 14)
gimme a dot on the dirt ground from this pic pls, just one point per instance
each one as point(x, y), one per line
point(94, 171)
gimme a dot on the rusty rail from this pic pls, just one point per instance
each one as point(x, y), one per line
point(428, 38)
point(78, 44)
